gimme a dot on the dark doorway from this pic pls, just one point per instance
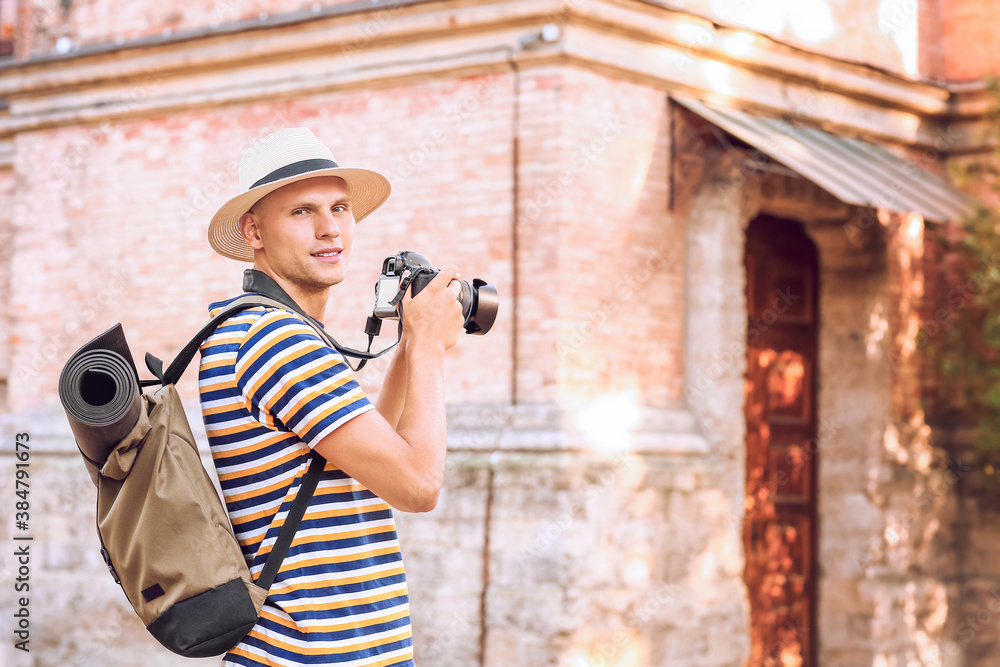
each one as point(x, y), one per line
point(780, 526)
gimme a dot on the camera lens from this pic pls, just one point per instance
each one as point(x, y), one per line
point(482, 313)
point(480, 300)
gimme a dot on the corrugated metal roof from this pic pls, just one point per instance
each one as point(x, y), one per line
point(852, 170)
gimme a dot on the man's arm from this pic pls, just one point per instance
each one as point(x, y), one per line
point(393, 393)
point(405, 465)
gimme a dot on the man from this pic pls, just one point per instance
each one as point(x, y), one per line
point(271, 390)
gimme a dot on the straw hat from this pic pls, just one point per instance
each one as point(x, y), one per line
point(280, 158)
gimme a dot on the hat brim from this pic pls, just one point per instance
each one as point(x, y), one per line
point(368, 190)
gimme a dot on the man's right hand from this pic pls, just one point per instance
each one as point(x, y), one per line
point(403, 463)
point(434, 316)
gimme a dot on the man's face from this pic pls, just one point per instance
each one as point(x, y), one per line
point(303, 232)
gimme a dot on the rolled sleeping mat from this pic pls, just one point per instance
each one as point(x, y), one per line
point(99, 389)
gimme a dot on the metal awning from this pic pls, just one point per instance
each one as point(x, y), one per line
point(852, 170)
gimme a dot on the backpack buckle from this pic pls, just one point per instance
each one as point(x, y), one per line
point(111, 568)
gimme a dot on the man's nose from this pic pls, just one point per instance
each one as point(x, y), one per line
point(327, 226)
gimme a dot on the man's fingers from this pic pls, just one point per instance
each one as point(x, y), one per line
point(447, 279)
point(444, 279)
point(455, 287)
point(448, 272)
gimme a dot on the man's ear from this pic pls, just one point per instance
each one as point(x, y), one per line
point(250, 230)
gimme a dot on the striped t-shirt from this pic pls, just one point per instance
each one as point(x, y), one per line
point(270, 390)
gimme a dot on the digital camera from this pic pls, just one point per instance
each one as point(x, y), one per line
point(479, 299)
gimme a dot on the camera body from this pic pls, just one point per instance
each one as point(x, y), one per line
point(479, 299)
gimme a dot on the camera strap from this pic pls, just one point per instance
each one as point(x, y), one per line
point(406, 280)
point(261, 283)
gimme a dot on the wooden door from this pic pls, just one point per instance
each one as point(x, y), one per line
point(779, 528)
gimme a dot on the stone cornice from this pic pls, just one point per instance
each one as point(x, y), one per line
point(264, 21)
point(970, 98)
point(971, 102)
point(547, 427)
point(395, 42)
point(6, 144)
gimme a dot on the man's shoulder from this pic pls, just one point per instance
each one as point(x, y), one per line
point(254, 313)
point(217, 307)
point(259, 324)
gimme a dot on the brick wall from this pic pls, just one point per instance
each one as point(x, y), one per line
point(126, 208)
point(109, 224)
point(599, 249)
point(548, 547)
point(964, 23)
point(41, 23)
point(620, 247)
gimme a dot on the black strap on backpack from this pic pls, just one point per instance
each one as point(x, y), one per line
point(292, 521)
point(307, 487)
point(177, 367)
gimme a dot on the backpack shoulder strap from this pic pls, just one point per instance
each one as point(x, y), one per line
point(180, 363)
point(292, 521)
point(311, 478)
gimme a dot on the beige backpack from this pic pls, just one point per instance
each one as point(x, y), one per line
point(164, 531)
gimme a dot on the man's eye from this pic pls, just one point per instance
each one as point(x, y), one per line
point(299, 210)
point(339, 208)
